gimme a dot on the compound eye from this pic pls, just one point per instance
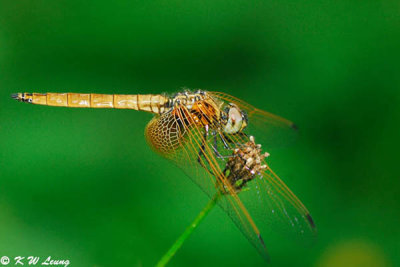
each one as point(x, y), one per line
point(234, 115)
point(235, 121)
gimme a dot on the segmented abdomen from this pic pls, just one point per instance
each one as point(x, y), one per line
point(151, 103)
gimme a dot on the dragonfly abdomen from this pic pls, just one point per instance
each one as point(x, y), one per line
point(150, 103)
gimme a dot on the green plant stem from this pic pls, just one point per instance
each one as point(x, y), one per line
point(179, 242)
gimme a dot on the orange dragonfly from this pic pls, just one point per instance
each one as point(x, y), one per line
point(201, 132)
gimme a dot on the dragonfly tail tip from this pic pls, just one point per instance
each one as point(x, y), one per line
point(294, 126)
point(14, 96)
point(310, 220)
point(265, 254)
point(261, 240)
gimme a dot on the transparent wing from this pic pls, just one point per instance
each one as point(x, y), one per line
point(271, 130)
point(272, 205)
point(192, 150)
point(203, 155)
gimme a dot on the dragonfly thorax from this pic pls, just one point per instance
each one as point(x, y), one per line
point(203, 109)
point(187, 98)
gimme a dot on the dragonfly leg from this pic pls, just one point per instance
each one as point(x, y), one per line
point(222, 136)
point(227, 138)
point(215, 146)
point(201, 151)
point(243, 134)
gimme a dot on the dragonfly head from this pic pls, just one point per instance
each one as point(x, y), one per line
point(235, 120)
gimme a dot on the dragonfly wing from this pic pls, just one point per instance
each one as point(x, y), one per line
point(266, 202)
point(276, 209)
point(194, 153)
point(272, 205)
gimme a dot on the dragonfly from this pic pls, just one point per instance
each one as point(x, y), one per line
point(203, 132)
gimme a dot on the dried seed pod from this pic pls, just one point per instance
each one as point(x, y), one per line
point(245, 164)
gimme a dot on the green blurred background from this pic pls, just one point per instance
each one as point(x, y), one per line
point(83, 185)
